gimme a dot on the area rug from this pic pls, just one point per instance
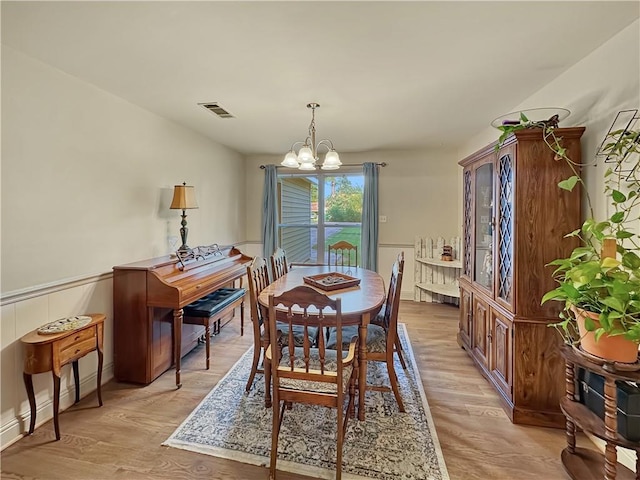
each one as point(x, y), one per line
point(388, 445)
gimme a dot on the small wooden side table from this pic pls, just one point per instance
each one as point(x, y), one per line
point(45, 353)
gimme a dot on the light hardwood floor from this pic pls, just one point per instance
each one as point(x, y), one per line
point(121, 440)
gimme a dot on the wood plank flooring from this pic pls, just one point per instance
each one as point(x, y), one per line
point(121, 440)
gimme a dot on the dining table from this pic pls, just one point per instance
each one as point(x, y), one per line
point(360, 303)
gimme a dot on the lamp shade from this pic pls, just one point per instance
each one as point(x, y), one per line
point(305, 155)
point(290, 160)
point(184, 197)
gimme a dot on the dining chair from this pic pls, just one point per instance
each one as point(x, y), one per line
point(258, 276)
point(382, 319)
point(308, 374)
point(344, 254)
point(382, 333)
point(279, 265)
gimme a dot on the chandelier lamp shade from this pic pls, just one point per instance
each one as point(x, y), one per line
point(184, 198)
point(307, 155)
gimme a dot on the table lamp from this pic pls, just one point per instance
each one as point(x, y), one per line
point(184, 197)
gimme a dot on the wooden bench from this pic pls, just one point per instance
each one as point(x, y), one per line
point(211, 309)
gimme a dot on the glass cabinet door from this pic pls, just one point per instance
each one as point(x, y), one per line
point(504, 213)
point(483, 271)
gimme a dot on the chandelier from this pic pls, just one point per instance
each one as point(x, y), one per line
point(307, 155)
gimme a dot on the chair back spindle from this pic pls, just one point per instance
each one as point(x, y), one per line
point(279, 265)
point(344, 254)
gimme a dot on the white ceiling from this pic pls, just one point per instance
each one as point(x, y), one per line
point(388, 75)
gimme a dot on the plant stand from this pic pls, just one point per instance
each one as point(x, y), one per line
point(583, 463)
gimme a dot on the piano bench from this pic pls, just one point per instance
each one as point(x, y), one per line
point(210, 309)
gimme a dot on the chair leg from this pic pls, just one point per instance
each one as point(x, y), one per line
point(340, 435)
point(208, 341)
point(267, 382)
point(275, 431)
point(242, 319)
point(394, 381)
point(400, 352)
point(254, 366)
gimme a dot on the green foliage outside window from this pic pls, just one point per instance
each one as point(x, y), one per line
point(344, 204)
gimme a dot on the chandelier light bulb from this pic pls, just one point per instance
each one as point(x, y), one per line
point(332, 158)
point(305, 155)
point(290, 160)
point(307, 166)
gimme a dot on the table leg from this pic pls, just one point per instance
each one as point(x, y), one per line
point(76, 379)
point(362, 374)
point(56, 404)
point(177, 343)
point(100, 361)
point(28, 383)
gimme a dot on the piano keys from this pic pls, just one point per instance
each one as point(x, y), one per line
point(148, 298)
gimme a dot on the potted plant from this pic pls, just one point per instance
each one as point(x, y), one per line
point(599, 283)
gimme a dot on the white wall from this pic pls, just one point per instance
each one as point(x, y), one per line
point(419, 194)
point(86, 182)
point(594, 90)
point(87, 177)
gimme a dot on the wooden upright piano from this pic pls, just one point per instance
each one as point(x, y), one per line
point(148, 298)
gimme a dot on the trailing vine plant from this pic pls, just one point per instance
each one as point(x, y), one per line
point(607, 286)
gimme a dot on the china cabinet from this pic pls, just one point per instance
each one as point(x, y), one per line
point(514, 220)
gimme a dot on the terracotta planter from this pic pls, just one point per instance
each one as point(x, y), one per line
point(615, 348)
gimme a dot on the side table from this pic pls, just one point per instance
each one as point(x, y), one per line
point(45, 353)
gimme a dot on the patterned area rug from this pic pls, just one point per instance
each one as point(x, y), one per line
point(388, 445)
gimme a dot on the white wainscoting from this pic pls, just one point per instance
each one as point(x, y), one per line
point(25, 310)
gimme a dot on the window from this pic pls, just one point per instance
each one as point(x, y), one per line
point(318, 210)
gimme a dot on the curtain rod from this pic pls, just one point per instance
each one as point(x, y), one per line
point(382, 164)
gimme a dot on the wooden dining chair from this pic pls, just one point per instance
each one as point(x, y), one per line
point(308, 374)
point(279, 265)
point(258, 276)
point(342, 253)
point(383, 318)
point(382, 333)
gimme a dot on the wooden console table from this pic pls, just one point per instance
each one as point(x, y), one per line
point(45, 353)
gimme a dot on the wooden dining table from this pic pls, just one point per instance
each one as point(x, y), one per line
point(359, 305)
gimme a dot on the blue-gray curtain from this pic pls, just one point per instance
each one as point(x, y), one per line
point(369, 234)
point(269, 211)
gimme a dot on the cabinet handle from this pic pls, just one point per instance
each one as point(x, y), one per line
point(489, 336)
point(77, 338)
point(77, 350)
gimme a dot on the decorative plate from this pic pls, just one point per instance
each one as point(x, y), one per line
point(331, 281)
point(64, 325)
point(533, 114)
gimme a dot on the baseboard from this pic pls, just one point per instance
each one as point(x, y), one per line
point(625, 456)
point(14, 430)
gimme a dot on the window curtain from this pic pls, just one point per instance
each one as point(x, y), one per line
point(369, 234)
point(269, 211)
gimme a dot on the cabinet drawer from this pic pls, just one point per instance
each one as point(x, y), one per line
point(77, 337)
point(77, 350)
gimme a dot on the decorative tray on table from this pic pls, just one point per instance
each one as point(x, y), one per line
point(331, 281)
point(64, 325)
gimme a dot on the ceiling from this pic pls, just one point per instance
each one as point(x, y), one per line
point(388, 75)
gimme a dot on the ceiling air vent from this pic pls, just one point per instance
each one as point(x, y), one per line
point(215, 108)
